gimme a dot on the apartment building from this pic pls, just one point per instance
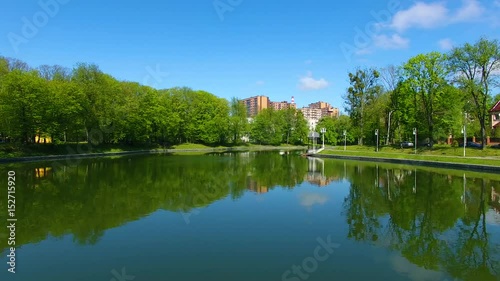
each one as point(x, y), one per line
point(315, 111)
point(326, 109)
point(282, 105)
point(312, 115)
point(256, 104)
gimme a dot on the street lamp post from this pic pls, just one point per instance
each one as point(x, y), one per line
point(389, 128)
point(465, 137)
point(345, 139)
point(323, 131)
point(464, 131)
point(415, 133)
point(376, 133)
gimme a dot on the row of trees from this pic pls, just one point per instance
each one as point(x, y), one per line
point(279, 126)
point(436, 93)
point(85, 104)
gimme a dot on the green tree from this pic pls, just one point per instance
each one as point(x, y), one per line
point(332, 135)
point(24, 102)
point(64, 112)
point(300, 129)
point(364, 87)
point(238, 120)
point(100, 98)
point(267, 127)
point(210, 118)
point(476, 67)
point(294, 125)
point(425, 76)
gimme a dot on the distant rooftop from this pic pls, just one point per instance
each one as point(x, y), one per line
point(496, 107)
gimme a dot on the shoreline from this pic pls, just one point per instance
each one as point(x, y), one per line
point(141, 152)
point(426, 163)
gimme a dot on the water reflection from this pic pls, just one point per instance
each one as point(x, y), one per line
point(310, 199)
point(436, 221)
point(434, 224)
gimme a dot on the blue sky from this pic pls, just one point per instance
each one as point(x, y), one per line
point(241, 48)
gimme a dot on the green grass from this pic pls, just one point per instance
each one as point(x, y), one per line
point(439, 153)
point(8, 150)
point(452, 172)
point(193, 146)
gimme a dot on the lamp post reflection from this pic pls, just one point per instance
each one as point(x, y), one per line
point(316, 173)
point(415, 184)
point(345, 172)
point(388, 186)
point(463, 197)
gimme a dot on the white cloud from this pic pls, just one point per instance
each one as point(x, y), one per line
point(393, 42)
point(421, 15)
point(471, 10)
point(446, 44)
point(311, 199)
point(412, 271)
point(432, 15)
point(308, 83)
point(492, 218)
point(363, 51)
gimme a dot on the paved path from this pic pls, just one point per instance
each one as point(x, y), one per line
point(423, 155)
point(438, 164)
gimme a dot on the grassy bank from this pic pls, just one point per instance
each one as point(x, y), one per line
point(443, 170)
point(439, 153)
point(15, 151)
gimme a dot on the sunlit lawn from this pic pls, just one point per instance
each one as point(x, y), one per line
point(8, 150)
point(441, 153)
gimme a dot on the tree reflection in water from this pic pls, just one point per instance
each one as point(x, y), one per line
point(439, 224)
point(436, 220)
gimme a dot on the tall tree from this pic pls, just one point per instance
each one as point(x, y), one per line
point(267, 127)
point(24, 100)
point(238, 120)
point(364, 87)
point(391, 76)
point(300, 128)
point(100, 101)
point(54, 72)
point(331, 135)
point(294, 125)
point(426, 75)
point(477, 69)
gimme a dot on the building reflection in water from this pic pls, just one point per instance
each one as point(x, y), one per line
point(316, 173)
point(256, 187)
point(42, 172)
point(495, 200)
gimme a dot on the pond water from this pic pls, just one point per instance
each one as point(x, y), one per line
point(249, 216)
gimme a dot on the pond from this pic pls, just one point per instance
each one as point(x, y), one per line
point(249, 216)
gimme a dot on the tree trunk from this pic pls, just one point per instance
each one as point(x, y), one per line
point(360, 139)
point(483, 134)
